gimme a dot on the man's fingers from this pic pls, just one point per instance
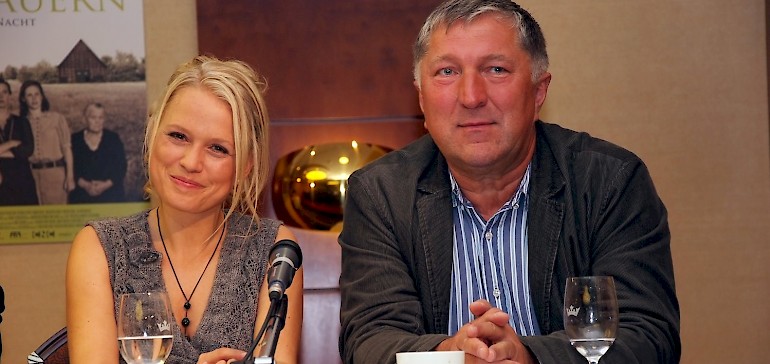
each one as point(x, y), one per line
point(475, 347)
point(479, 307)
point(498, 317)
point(501, 350)
point(487, 331)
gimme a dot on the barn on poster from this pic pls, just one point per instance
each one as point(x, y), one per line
point(81, 65)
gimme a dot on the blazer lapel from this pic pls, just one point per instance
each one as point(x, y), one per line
point(545, 216)
point(434, 215)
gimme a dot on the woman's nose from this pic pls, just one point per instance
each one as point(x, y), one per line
point(192, 160)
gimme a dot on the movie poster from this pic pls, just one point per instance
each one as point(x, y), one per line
point(73, 152)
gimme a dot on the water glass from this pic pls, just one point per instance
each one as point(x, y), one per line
point(591, 315)
point(144, 327)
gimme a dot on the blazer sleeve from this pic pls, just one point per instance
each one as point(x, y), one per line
point(621, 230)
point(381, 313)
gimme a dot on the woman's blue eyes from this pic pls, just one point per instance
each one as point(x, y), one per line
point(177, 135)
point(220, 149)
point(217, 148)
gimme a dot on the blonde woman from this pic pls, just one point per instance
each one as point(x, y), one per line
point(205, 245)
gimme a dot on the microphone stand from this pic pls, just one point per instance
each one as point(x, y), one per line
point(272, 327)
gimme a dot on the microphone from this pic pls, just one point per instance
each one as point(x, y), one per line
point(285, 258)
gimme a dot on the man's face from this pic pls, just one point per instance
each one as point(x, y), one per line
point(477, 94)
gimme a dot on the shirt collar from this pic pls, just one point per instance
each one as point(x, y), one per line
point(459, 199)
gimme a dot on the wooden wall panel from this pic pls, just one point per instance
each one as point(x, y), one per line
point(331, 58)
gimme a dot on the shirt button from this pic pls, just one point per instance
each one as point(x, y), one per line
point(496, 293)
point(516, 206)
point(488, 236)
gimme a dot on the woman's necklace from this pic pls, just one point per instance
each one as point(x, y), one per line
point(186, 320)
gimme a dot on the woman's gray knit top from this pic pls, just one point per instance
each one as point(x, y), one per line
point(231, 314)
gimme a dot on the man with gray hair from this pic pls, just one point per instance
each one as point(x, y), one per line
point(464, 239)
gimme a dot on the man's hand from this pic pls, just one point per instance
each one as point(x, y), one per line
point(489, 338)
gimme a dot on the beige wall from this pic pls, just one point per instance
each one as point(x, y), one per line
point(684, 85)
point(681, 83)
point(33, 275)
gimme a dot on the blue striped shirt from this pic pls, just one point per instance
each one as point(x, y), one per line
point(490, 261)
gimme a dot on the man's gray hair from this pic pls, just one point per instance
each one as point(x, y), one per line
point(530, 36)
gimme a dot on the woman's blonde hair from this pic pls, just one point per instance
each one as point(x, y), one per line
point(238, 85)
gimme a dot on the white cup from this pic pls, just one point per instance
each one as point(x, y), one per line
point(431, 357)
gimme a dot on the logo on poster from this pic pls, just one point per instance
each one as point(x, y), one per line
point(44, 234)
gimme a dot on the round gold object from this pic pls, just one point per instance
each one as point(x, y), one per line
point(310, 183)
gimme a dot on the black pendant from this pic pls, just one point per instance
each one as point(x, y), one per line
point(185, 322)
point(187, 305)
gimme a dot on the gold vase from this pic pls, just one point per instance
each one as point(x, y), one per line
point(309, 184)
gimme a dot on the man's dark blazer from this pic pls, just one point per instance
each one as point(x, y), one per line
point(593, 210)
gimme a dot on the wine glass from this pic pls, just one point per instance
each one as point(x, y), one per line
point(591, 315)
point(144, 327)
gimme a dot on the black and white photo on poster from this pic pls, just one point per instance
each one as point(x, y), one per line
point(76, 73)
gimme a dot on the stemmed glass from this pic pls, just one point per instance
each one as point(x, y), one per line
point(591, 315)
point(144, 328)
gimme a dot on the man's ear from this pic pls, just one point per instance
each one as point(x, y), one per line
point(419, 93)
point(541, 91)
point(416, 84)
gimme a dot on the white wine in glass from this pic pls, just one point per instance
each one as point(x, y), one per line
point(144, 328)
point(591, 315)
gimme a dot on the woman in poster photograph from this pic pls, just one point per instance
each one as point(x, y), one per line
point(99, 159)
point(51, 161)
point(17, 187)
